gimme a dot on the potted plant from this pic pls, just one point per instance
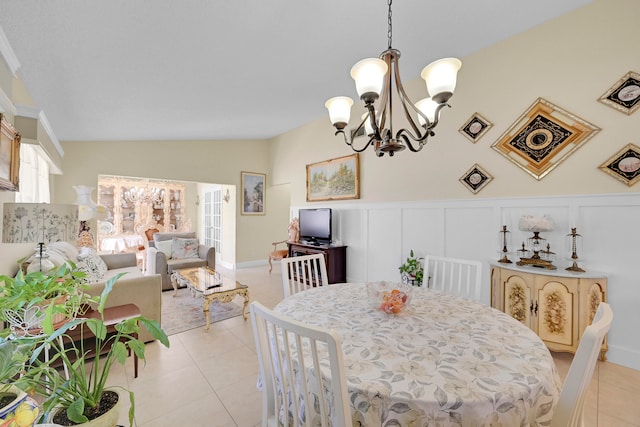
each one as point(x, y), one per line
point(30, 299)
point(412, 271)
point(83, 396)
point(15, 405)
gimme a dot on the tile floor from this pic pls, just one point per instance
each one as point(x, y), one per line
point(209, 379)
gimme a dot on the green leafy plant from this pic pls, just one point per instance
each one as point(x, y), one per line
point(412, 270)
point(80, 395)
point(42, 296)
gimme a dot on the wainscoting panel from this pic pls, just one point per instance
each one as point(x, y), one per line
point(379, 237)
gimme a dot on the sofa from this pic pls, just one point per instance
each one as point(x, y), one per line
point(145, 291)
point(177, 250)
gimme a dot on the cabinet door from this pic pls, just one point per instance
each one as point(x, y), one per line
point(557, 320)
point(517, 292)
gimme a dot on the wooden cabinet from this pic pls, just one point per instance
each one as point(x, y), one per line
point(335, 258)
point(557, 306)
point(134, 203)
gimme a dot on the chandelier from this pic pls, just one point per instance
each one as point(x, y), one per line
point(144, 195)
point(375, 78)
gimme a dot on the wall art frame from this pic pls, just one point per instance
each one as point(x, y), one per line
point(624, 165)
point(9, 156)
point(475, 127)
point(476, 178)
point(253, 193)
point(624, 95)
point(334, 179)
point(542, 137)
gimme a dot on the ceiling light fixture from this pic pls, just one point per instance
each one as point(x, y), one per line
point(374, 79)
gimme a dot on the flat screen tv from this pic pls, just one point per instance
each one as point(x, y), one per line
point(315, 225)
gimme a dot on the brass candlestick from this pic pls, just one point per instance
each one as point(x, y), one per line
point(504, 258)
point(574, 255)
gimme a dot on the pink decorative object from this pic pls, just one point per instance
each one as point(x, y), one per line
point(294, 230)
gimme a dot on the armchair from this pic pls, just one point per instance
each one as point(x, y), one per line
point(165, 263)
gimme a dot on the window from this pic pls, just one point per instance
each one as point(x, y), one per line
point(212, 214)
point(34, 175)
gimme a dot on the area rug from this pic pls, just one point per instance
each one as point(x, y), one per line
point(184, 312)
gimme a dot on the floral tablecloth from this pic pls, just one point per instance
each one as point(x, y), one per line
point(444, 361)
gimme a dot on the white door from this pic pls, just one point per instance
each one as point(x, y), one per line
point(212, 214)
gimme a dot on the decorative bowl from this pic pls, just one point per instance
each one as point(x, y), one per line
point(389, 297)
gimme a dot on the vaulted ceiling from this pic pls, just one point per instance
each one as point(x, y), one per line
point(198, 69)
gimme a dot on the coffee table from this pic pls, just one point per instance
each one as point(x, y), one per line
point(211, 286)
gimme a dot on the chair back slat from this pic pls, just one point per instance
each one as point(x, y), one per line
point(569, 411)
point(301, 370)
point(453, 276)
point(303, 272)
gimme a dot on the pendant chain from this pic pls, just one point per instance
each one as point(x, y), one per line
point(389, 24)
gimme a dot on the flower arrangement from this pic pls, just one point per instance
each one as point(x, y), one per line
point(535, 223)
point(412, 271)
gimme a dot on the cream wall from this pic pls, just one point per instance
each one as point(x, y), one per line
point(199, 161)
point(570, 61)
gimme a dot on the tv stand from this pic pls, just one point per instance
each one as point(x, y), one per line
point(335, 258)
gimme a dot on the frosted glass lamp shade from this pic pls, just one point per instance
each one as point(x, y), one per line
point(87, 208)
point(339, 109)
point(428, 107)
point(441, 77)
point(369, 76)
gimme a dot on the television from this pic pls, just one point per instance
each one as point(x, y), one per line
point(315, 225)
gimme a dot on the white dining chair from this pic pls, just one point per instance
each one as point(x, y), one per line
point(291, 382)
point(303, 272)
point(569, 410)
point(453, 276)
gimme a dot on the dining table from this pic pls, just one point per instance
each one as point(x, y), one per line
point(442, 361)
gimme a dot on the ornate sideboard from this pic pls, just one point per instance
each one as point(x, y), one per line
point(557, 305)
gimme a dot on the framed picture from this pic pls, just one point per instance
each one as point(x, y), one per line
point(624, 165)
point(335, 179)
point(9, 156)
point(253, 195)
point(542, 137)
point(624, 95)
point(475, 127)
point(476, 178)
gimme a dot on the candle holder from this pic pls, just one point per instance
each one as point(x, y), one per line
point(506, 236)
point(573, 238)
point(536, 253)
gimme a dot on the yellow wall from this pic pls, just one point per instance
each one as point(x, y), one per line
point(570, 61)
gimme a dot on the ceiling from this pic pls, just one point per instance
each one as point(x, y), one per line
point(242, 69)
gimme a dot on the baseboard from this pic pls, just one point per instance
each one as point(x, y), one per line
point(250, 264)
point(624, 357)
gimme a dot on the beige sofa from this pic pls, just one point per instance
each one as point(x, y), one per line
point(132, 288)
point(159, 263)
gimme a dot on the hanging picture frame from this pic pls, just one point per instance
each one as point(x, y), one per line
point(624, 95)
point(624, 165)
point(542, 137)
point(476, 178)
point(253, 193)
point(335, 179)
point(9, 156)
point(475, 127)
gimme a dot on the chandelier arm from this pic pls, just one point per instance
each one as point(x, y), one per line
point(404, 100)
point(422, 141)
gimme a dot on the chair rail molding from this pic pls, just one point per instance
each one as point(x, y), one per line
point(379, 237)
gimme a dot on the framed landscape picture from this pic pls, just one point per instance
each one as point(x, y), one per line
point(253, 193)
point(335, 179)
point(9, 156)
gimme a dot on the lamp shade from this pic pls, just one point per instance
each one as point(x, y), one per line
point(39, 223)
point(427, 106)
point(339, 109)
point(87, 208)
point(369, 75)
point(441, 77)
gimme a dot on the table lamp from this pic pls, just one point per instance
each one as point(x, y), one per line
point(40, 223)
point(87, 209)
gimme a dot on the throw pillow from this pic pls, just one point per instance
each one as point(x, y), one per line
point(165, 246)
point(184, 248)
point(92, 265)
point(70, 251)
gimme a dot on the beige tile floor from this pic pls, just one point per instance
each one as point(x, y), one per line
point(209, 378)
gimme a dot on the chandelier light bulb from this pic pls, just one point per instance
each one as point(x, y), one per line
point(339, 110)
point(428, 107)
point(441, 76)
point(369, 76)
